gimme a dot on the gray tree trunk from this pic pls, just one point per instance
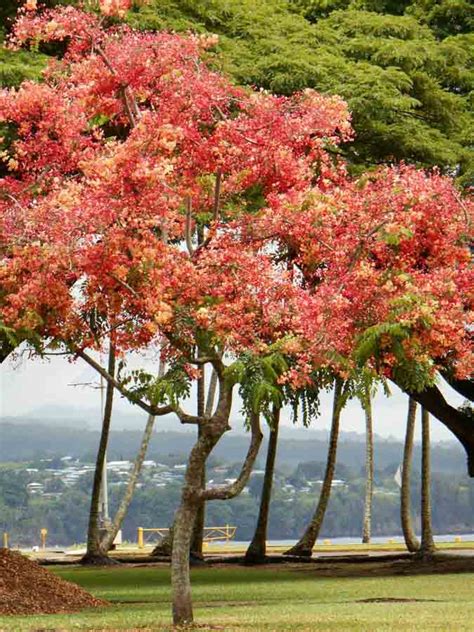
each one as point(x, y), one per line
point(164, 548)
point(95, 554)
point(198, 530)
point(211, 394)
point(193, 493)
point(304, 546)
point(109, 538)
point(369, 470)
point(427, 546)
point(257, 549)
point(183, 528)
point(411, 541)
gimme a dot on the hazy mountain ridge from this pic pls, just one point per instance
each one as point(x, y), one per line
point(26, 439)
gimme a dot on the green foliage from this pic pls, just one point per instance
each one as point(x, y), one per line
point(445, 17)
point(304, 403)
point(169, 389)
point(258, 377)
point(413, 375)
point(405, 68)
point(16, 67)
point(408, 91)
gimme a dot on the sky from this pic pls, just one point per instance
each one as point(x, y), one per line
point(45, 388)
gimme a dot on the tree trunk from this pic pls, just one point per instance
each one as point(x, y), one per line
point(256, 551)
point(304, 546)
point(457, 420)
point(165, 546)
point(369, 470)
point(411, 540)
point(193, 493)
point(198, 530)
point(109, 538)
point(183, 527)
point(95, 554)
point(180, 578)
point(427, 547)
point(211, 394)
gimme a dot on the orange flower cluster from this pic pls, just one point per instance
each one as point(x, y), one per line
point(146, 199)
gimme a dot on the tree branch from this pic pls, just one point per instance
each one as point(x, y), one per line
point(131, 109)
point(463, 387)
point(151, 409)
point(456, 420)
point(188, 419)
point(124, 284)
point(229, 491)
point(211, 394)
point(217, 195)
point(189, 241)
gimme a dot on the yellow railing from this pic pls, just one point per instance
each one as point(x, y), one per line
point(211, 534)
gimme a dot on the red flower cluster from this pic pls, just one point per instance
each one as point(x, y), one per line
point(144, 197)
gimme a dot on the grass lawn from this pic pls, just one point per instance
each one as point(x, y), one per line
point(268, 598)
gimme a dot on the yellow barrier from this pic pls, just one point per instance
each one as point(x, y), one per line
point(43, 533)
point(211, 534)
point(5, 540)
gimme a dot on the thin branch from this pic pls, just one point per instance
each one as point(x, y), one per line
point(151, 409)
point(201, 360)
point(131, 109)
point(189, 241)
point(217, 195)
point(229, 491)
point(14, 200)
point(360, 248)
point(124, 284)
point(464, 209)
point(188, 419)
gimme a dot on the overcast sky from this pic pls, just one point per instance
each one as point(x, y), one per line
point(36, 386)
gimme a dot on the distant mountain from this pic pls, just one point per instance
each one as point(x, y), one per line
point(26, 439)
point(90, 418)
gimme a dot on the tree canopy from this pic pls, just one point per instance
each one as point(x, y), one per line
point(405, 68)
point(409, 88)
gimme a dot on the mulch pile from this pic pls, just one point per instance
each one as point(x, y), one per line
point(27, 588)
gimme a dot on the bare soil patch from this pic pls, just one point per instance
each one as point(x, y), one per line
point(27, 588)
point(393, 600)
point(387, 568)
point(360, 565)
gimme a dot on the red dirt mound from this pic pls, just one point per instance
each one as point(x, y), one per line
point(27, 588)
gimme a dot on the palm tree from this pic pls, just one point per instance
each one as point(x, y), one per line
point(198, 532)
point(304, 546)
point(369, 466)
point(256, 551)
point(427, 547)
point(121, 512)
point(94, 552)
point(411, 540)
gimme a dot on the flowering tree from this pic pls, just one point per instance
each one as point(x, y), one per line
point(147, 202)
point(130, 175)
point(388, 264)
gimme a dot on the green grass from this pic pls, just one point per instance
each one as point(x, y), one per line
point(270, 599)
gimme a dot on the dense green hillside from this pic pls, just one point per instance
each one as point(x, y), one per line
point(63, 505)
point(406, 68)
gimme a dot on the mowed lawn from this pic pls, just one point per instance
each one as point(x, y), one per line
point(269, 598)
